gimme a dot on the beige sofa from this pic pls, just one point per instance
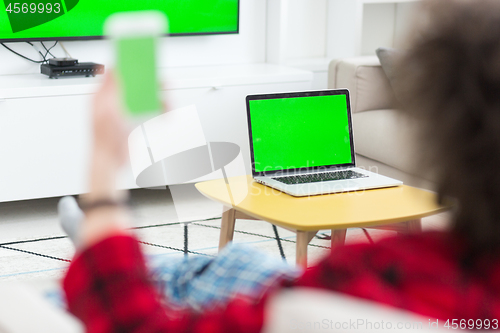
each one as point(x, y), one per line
point(382, 135)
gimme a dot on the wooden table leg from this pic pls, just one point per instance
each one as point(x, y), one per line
point(338, 237)
point(303, 239)
point(301, 249)
point(409, 227)
point(414, 226)
point(404, 228)
point(227, 227)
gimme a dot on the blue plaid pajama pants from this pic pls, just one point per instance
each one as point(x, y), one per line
point(198, 281)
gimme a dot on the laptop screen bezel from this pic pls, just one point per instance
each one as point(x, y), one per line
point(328, 92)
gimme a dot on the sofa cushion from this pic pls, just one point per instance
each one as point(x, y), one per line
point(388, 59)
point(385, 136)
point(366, 81)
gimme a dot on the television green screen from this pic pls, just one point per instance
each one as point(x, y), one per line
point(300, 132)
point(32, 20)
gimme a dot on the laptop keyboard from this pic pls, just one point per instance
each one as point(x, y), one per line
point(320, 177)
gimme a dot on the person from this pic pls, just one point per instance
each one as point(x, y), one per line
point(449, 80)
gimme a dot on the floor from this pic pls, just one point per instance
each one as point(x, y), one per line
point(34, 248)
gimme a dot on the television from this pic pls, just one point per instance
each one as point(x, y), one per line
point(41, 20)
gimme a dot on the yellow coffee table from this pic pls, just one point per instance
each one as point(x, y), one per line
point(397, 208)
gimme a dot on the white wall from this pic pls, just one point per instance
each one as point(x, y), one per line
point(246, 47)
point(378, 27)
point(306, 29)
point(308, 34)
point(302, 33)
point(385, 25)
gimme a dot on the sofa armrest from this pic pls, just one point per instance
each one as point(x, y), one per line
point(315, 310)
point(366, 81)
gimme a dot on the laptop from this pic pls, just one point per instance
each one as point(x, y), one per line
point(301, 143)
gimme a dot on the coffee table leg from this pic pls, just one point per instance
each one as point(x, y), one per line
point(414, 226)
point(338, 237)
point(227, 227)
point(410, 227)
point(301, 249)
point(303, 239)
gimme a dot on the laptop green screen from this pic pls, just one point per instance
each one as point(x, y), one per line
point(299, 132)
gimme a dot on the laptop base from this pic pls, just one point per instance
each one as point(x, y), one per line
point(372, 181)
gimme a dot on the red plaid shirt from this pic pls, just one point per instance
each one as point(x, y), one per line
point(108, 288)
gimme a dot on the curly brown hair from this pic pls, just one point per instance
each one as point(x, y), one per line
point(451, 82)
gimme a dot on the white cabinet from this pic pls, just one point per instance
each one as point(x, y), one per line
point(45, 133)
point(42, 147)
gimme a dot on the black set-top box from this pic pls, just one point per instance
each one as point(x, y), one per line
point(63, 61)
point(62, 67)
